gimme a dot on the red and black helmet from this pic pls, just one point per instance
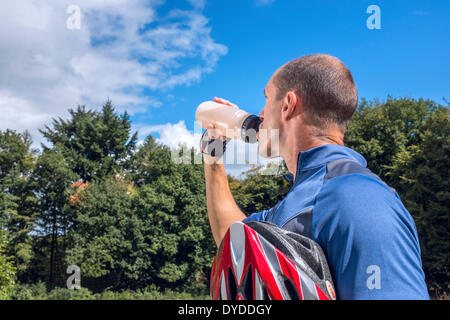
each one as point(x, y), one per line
point(260, 261)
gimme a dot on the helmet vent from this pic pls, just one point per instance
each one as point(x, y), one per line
point(265, 294)
point(231, 285)
point(248, 283)
point(290, 289)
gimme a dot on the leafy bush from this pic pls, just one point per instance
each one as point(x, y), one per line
point(67, 294)
point(38, 291)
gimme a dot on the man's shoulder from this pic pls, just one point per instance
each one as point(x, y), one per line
point(356, 197)
point(346, 176)
point(356, 184)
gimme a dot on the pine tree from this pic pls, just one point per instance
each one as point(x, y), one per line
point(95, 144)
point(53, 178)
point(17, 200)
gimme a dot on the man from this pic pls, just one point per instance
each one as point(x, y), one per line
point(366, 233)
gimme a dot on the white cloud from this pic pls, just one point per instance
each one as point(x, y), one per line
point(122, 48)
point(171, 135)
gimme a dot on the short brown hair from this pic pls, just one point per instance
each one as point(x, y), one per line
point(324, 84)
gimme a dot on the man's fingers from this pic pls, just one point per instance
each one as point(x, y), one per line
point(213, 134)
point(225, 102)
point(211, 131)
point(220, 100)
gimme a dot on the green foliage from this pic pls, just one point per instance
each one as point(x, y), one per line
point(67, 294)
point(151, 292)
point(423, 180)
point(38, 291)
point(17, 200)
point(103, 231)
point(378, 130)
point(52, 178)
point(172, 206)
point(95, 144)
point(7, 270)
point(258, 191)
point(128, 236)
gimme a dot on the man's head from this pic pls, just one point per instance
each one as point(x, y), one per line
point(309, 97)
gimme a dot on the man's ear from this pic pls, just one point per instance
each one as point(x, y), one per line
point(290, 105)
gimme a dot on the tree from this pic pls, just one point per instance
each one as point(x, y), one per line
point(151, 161)
point(95, 144)
point(379, 130)
point(172, 206)
point(423, 180)
point(17, 200)
point(7, 270)
point(257, 192)
point(151, 230)
point(52, 180)
point(90, 147)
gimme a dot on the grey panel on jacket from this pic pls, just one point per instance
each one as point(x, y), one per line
point(340, 167)
point(301, 223)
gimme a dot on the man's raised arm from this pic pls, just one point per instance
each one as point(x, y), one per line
point(222, 209)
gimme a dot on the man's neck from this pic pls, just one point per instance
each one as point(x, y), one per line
point(295, 146)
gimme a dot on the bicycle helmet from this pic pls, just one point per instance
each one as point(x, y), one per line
point(260, 261)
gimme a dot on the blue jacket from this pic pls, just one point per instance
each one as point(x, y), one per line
point(368, 236)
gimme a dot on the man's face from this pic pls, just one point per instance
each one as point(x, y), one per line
point(268, 135)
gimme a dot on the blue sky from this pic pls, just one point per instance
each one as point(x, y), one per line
point(409, 56)
point(160, 59)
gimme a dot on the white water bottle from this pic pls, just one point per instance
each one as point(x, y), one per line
point(231, 122)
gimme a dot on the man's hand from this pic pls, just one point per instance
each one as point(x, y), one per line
point(211, 143)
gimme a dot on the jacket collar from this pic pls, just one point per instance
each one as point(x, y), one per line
point(319, 156)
